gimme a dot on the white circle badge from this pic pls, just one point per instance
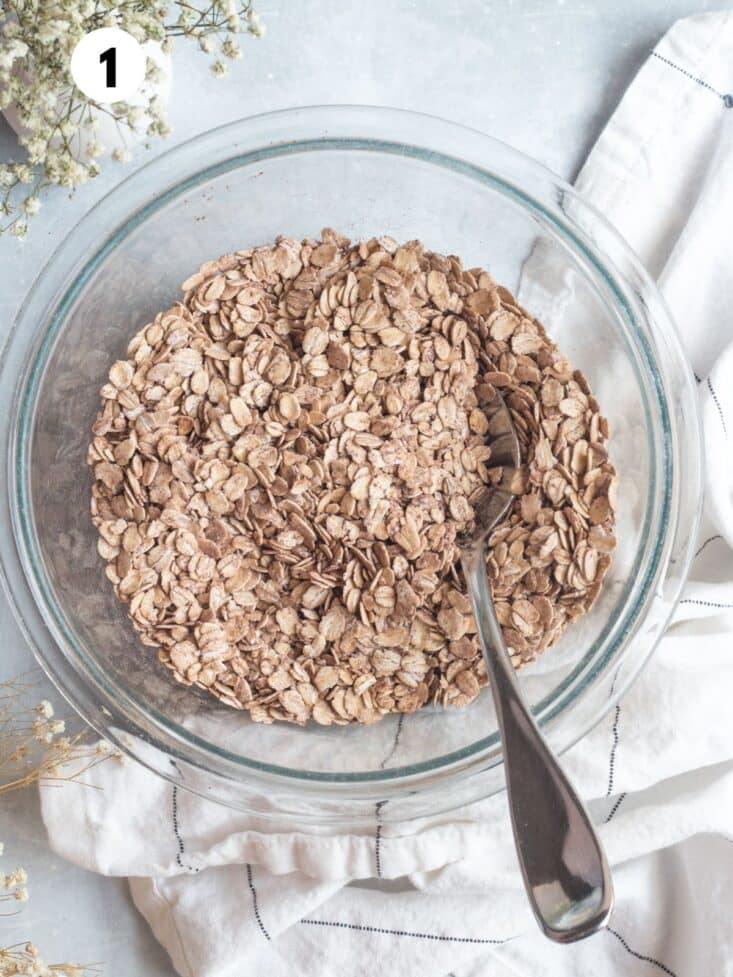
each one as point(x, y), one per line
point(108, 65)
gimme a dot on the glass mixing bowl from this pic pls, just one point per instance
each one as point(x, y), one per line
point(364, 171)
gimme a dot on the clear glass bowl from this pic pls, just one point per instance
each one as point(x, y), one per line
point(364, 171)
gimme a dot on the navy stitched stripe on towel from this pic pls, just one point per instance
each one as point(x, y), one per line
point(395, 743)
point(255, 907)
point(380, 804)
point(378, 838)
point(612, 759)
point(179, 838)
point(710, 539)
point(641, 956)
point(438, 937)
point(720, 409)
point(705, 603)
point(726, 99)
point(616, 806)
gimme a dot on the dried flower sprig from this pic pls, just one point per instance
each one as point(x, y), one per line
point(37, 38)
point(23, 960)
point(13, 885)
point(33, 748)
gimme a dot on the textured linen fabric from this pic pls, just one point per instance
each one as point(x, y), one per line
point(226, 896)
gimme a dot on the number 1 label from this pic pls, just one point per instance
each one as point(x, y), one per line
point(109, 57)
point(108, 65)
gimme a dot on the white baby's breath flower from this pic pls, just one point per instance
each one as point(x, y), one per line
point(11, 52)
point(19, 229)
point(53, 167)
point(94, 149)
point(135, 114)
point(255, 26)
point(67, 128)
point(66, 177)
point(121, 155)
point(219, 69)
point(35, 125)
point(51, 31)
point(106, 749)
point(44, 730)
point(156, 107)
point(21, 895)
point(230, 49)
point(158, 128)
point(18, 876)
point(45, 709)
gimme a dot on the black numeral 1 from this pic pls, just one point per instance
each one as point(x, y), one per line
point(109, 57)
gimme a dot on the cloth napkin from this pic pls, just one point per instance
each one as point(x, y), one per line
point(227, 896)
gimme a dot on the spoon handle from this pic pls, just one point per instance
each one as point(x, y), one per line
point(565, 871)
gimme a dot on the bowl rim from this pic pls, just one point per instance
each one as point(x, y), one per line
point(181, 741)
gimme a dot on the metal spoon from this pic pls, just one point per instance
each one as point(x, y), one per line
point(565, 871)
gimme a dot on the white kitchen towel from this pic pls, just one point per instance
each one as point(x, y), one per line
point(226, 896)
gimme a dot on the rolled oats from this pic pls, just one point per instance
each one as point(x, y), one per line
point(285, 459)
